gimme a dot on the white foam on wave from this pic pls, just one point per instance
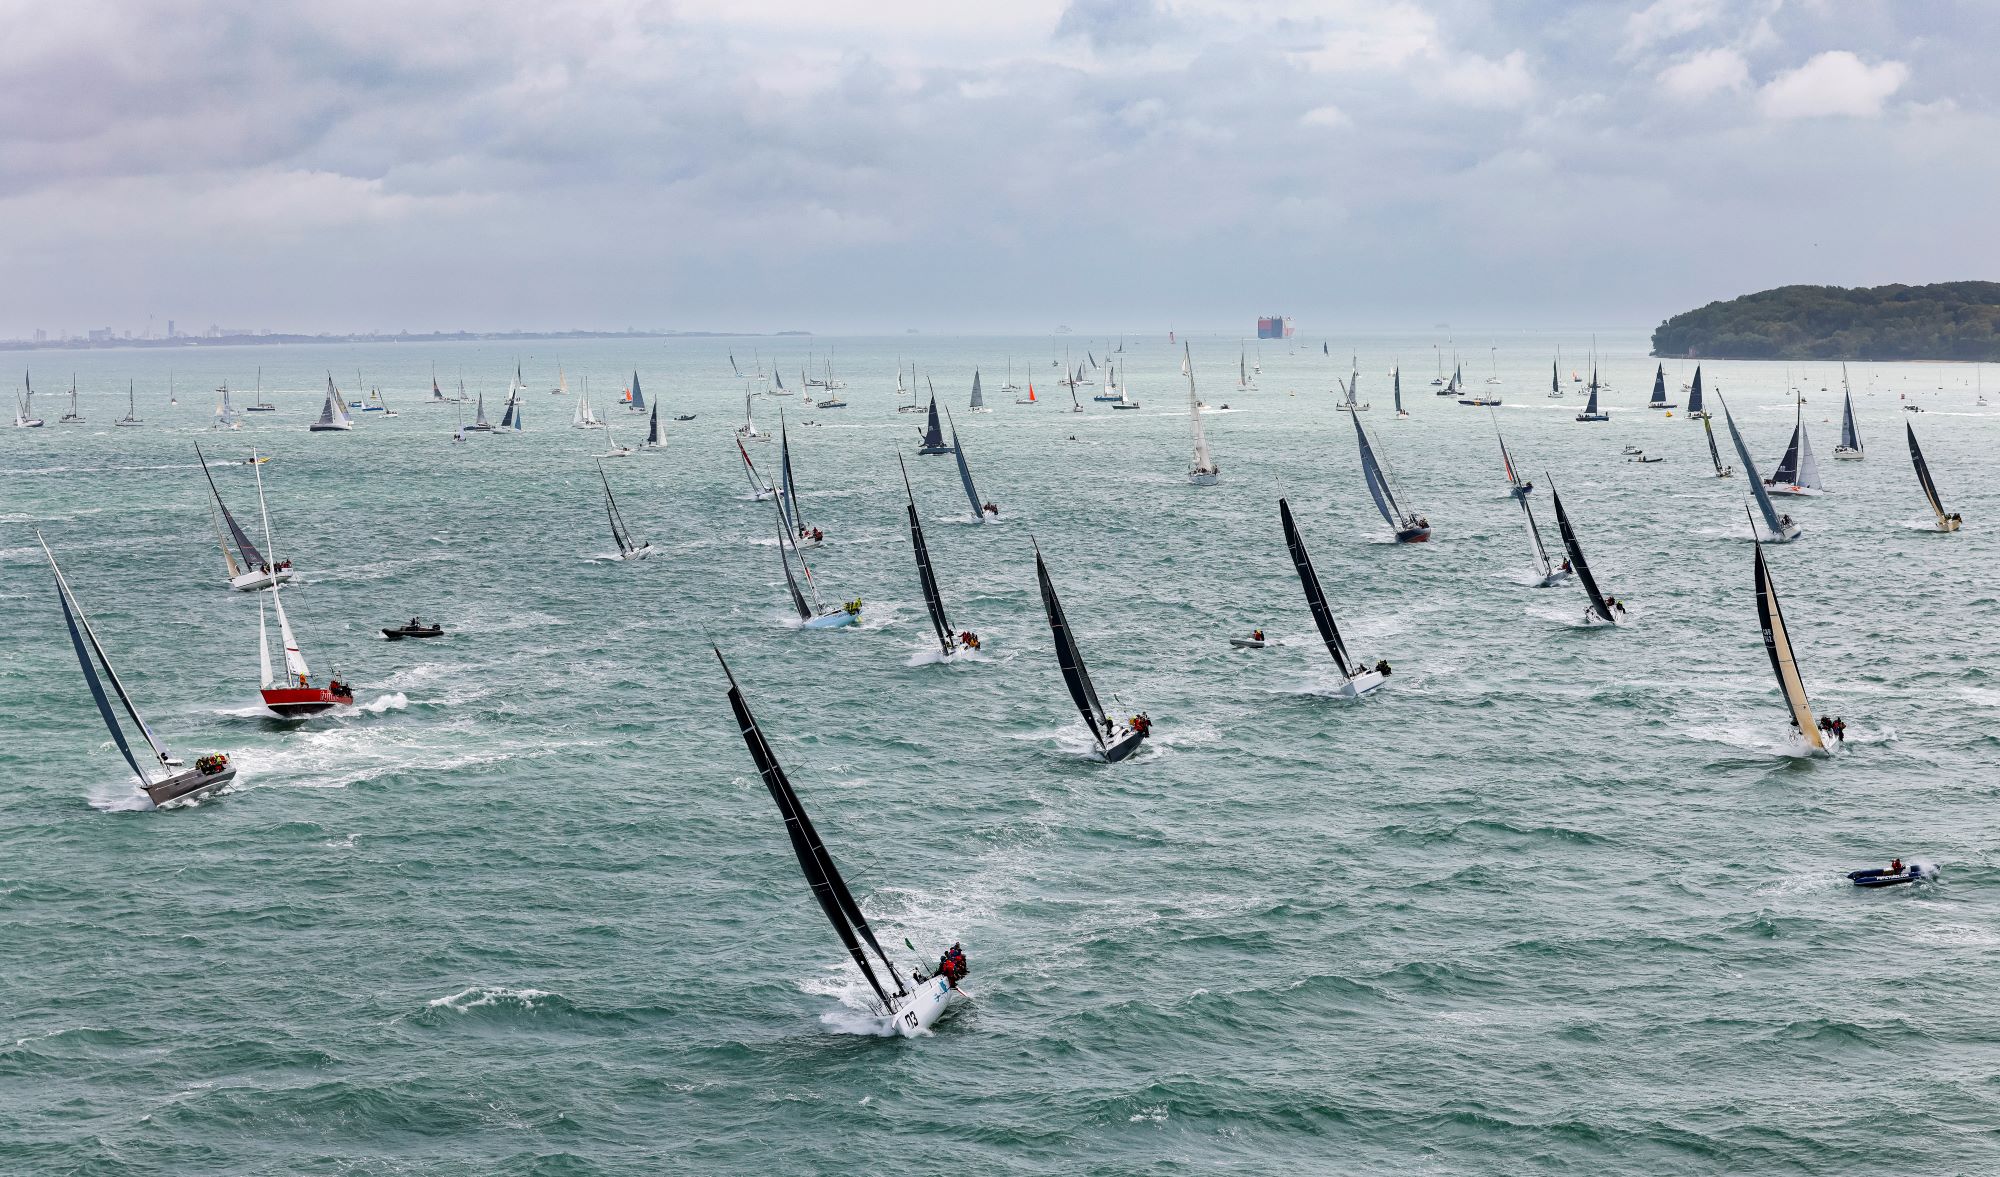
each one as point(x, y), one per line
point(394, 701)
point(857, 1013)
point(475, 996)
point(1761, 739)
point(932, 656)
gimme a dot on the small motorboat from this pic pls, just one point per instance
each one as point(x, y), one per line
point(1253, 642)
point(415, 628)
point(1641, 457)
point(1629, 450)
point(1913, 873)
point(685, 417)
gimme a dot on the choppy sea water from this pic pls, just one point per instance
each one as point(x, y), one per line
point(1556, 900)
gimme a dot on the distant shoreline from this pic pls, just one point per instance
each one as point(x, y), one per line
point(399, 337)
point(1943, 322)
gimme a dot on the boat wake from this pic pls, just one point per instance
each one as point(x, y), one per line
point(856, 1014)
point(932, 656)
point(122, 798)
point(1759, 739)
point(394, 701)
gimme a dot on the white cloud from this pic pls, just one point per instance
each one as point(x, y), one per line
point(1708, 72)
point(1331, 117)
point(1477, 81)
point(1834, 83)
point(1665, 19)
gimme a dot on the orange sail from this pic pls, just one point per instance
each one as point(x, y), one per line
point(1031, 392)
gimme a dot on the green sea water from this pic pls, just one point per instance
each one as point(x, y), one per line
point(1556, 900)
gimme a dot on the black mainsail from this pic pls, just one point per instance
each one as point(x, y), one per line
point(82, 635)
point(1694, 399)
point(1070, 658)
point(252, 558)
point(1315, 597)
point(933, 442)
point(618, 530)
point(1576, 561)
point(932, 600)
point(1659, 400)
point(1788, 466)
point(1924, 477)
point(814, 862)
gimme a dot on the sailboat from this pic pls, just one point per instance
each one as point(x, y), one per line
point(1121, 401)
point(1945, 521)
point(479, 422)
point(515, 419)
point(1114, 741)
point(628, 548)
point(437, 394)
point(333, 417)
point(1351, 387)
point(1781, 528)
point(210, 772)
point(1849, 449)
point(1112, 392)
point(978, 398)
point(1242, 374)
point(254, 570)
point(814, 614)
point(225, 413)
point(1599, 612)
point(1778, 644)
point(1660, 400)
point(583, 417)
point(131, 417)
point(655, 440)
point(948, 641)
point(1493, 356)
point(635, 398)
point(74, 416)
point(1410, 527)
point(1396, 389)
point(1356, 678)
point(1798, 471)
point(933, 432)
point(788, 489)
point(24, 407)
point(748, 430)
point(1075, 405)
point(613, 447)
point(759, 489)
point(264, 406)
point(1031, 394)
point(1548, 573)
point(172, 400)
point(1555, 377)
point(280, 695)
point(980, 508)
point(1694, 399)
point(1590, 411)
point(910, 1011)
point(562, 380)
point(1203, 471)
point(1708, 428)
point(1010, 386)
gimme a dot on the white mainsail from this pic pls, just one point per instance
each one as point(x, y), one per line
point(295, 660)
point(1204, 472)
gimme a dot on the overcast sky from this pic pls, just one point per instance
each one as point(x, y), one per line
point(768, 164)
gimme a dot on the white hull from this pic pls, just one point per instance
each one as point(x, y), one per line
point(638, 553)
point(250, 582)
point(1843, 454)
point(1246, 643)
point(1790, 491)
point(923, 1007)
point(1205, 478)
point(1361, 684)
point(1553, 579)
point(833, 620)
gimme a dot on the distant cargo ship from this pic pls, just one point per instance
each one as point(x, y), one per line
point(1274, 327)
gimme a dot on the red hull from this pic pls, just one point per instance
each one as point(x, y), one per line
point(1414, 537)
point(289, 701)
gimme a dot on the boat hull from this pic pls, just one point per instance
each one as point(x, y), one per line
point(250, 582)
point(316, 427)
point(1413, 535)
point(1246, 643)
point(1123, 746)
point(1593, 416)
point(401, 632)
point(1947, 525)
point(1361, 684)
point(294, 702)
point(1553, 579)
point(1791, 491)
point(1199, 478)
point(933, 449)
point(1843, 454)
point(918, 1012)
point(833, 620)
point(188, 785)
point(638, 553)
